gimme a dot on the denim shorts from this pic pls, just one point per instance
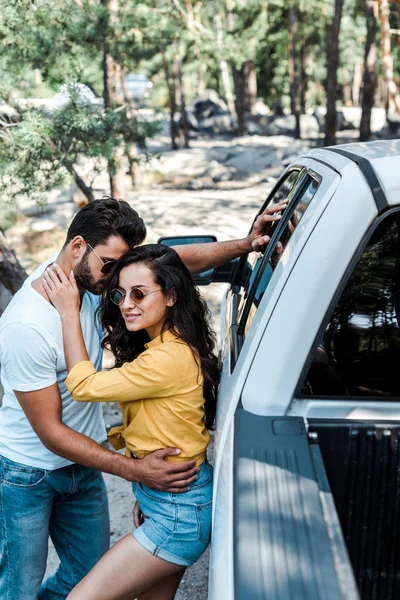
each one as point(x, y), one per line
point(178, 526)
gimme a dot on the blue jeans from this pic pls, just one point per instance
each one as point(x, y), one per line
point(69, 505)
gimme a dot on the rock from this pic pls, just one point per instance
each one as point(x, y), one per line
point(195, 184)
point(221, 123)
point(225, 175)
point(277, 109)
point(352, 117)
point(393, 123)
point(378, 119)
point(260, 108)
point(286, 125)
point(254, 128)
point(208, 105)
point(320, 114)
point(214, 169)
point(309, 127)
point(283, 125)
point(192, 121)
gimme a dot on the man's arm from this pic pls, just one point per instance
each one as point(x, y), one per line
point(43, 409)
point(201, 257)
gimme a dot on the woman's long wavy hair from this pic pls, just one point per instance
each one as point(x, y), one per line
point(189, 317)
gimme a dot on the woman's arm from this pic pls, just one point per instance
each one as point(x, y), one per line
point(153, 374)
point(64, 295)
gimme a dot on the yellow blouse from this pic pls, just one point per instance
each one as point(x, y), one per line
point(161, 396)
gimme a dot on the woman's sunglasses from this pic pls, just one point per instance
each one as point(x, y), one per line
point(136, 295)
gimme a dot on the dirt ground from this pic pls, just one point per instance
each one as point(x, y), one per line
point(225, 209)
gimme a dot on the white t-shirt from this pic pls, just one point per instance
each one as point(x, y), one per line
point(32, 358)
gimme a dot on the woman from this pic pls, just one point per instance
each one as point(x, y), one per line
point(166, 383)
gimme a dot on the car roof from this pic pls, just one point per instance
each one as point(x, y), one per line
point(373, 150)
point(383, 157)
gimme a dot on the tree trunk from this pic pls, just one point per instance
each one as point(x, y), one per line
point(113, 95)
point(369, 75)
point(131, 152)
point(223, 65)
point(347, 88)
point(387, 59)
point(194, 16)
point(171, 100)
point(181, 92)
point(332, 66)
point(239, 84)
point(356, 87)
point(12, 275)
point(294, 70)
point(303, 76)
point(85, 189)
point(250, 79)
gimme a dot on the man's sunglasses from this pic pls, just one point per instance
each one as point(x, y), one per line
point(136, 295)
point(107, 265)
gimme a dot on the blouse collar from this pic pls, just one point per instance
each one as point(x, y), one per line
point(166, 336)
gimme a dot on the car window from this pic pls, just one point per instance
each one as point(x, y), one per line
point(258, 282)
point(284, 192)
point(358, 353)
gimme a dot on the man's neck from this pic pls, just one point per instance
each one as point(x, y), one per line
point(66, 265)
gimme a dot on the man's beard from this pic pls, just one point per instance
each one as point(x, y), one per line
point(84, 276)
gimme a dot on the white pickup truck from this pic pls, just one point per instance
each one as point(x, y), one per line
point(307, 462)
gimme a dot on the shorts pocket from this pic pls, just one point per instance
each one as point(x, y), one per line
point(22, 476)
point(203, 480)
point(204, 514)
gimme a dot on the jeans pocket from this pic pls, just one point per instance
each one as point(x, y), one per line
point(204, 477)
point(22, 476)
point(204, 514)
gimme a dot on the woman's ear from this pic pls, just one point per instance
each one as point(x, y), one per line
point(171, 298)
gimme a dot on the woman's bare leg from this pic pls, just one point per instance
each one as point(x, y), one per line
point(125, 572)
point(165, 590)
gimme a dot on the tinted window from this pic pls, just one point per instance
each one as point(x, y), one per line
point(359, 353)
point(284, 192)
point(268, 266)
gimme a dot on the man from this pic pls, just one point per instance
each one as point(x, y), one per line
point(51, 455)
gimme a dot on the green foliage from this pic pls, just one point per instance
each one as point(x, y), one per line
point(65, 41)
point(44, 148)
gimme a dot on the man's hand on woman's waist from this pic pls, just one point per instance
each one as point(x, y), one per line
point(154, 472)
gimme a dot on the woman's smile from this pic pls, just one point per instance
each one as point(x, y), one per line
point(130, 317)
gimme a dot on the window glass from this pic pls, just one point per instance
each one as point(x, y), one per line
point(359, 353)
point(284, 192)
point(269, 267)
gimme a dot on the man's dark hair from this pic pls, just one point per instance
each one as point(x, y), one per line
point(98, 221)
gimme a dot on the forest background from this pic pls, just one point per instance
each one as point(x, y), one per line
point(287, 56)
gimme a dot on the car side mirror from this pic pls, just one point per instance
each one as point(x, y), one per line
point(206, 277)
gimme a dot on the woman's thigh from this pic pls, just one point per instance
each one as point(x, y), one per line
point(126, 571)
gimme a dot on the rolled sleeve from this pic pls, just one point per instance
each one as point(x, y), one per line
point(151, 375)
point(77, 376)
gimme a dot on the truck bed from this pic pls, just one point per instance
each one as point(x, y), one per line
point(288, 541)
point(362, 463)
point(316, 509)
